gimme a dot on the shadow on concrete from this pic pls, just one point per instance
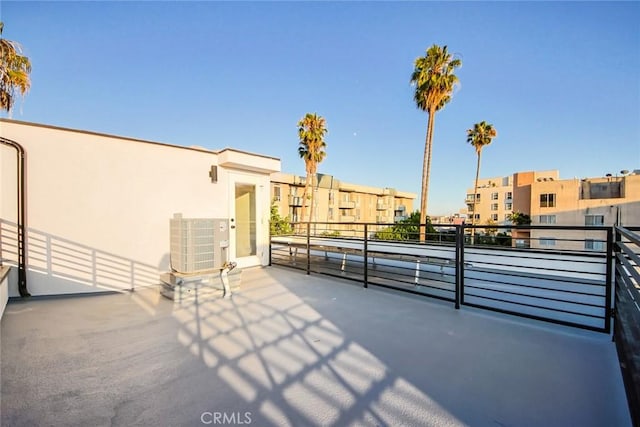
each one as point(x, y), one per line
point(57, 265)
point(294, 350)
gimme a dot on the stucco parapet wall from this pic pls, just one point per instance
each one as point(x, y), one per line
point(324, 181)
point(376, 190)
point(236, 159)
point(330, 182)
point(227, 157)
point(4, 121)
point(286, 178)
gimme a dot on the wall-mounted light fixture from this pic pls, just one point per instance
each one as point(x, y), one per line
point(213, 174)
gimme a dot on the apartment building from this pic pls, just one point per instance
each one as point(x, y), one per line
point(595, 201)
point(337, 201)
point(493, 201)
point(549, 200)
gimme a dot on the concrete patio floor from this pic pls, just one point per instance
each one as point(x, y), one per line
point(297, 350)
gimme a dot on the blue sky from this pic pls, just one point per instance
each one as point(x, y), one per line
point(559, 81)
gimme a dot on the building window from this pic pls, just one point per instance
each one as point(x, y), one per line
point(494, 217)
point(508, 206)
point(547, 241)
point(507, 217)
point(276, 193)
point(477, 217)
point(331, 196)
point(330, 213)
point(547, 219)
point(594, 220)
point(522, 243)
point(478, 198)
point(548, 200)
point(494, 196)
point(494, 206)
point(594, 245)
point(508, 195)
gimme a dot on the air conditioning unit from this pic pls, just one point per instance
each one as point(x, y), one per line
point(198, 244)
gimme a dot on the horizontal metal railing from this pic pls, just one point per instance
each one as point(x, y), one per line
point(566, 282)
point(627, 312)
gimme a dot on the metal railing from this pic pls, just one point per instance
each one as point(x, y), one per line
point(551, 273)
point(626, 331)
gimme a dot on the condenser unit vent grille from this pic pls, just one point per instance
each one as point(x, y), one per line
point(197, 244)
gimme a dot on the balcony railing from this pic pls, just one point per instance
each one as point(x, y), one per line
point(297, 201)
point(347, 204)
point(577, 276)
point(627, 312)
point(556, 280)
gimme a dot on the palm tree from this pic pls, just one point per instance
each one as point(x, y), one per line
point(480, 135)
point(14, 72)
point(434, 83)
point(311, 131)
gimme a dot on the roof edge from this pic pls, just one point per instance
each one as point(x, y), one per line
point(106, 135)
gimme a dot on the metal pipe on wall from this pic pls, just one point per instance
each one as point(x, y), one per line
point(22, 219)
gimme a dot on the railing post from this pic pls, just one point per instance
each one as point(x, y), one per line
point(457, 264)
point(617, 237)
point(366, 257)
point(308, 247)
point(270, 249)
point(461, 264)
point(608, 281)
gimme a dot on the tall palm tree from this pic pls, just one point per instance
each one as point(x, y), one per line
point(479, 136)
point(14, 72)
point(311, 131)
point(434, 81)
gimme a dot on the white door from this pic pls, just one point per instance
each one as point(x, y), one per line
point(245, 221)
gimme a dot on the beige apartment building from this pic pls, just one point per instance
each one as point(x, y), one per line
point(550, 200)
point(336, 201)
point(493, 201)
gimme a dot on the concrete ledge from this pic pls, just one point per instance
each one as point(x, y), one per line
point(4, 288)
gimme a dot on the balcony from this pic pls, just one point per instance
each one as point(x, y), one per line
point(469, 199)
point(490, 272)
point(347, 204)
point(382, 206)
point(297, 201)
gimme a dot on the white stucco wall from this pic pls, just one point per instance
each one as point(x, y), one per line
point(98, 206)
point(4, 289)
